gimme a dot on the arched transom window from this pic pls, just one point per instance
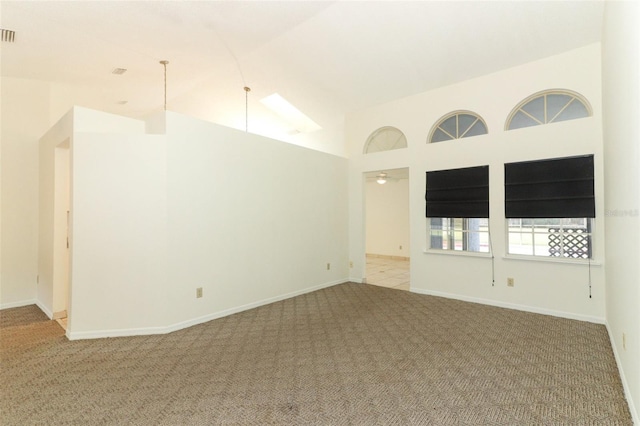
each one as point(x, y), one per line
point(456, 125)
point(547, 107)
point(385, 139)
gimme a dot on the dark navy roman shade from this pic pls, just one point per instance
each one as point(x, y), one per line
point(554, 188)
point(458, 192)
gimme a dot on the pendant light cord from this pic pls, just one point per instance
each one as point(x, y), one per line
point(164, 63)
point(246, 108)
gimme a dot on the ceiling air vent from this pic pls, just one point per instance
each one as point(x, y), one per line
point(119, 71)
point(8, 35)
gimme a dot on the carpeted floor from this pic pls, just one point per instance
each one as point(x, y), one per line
point(351, 354)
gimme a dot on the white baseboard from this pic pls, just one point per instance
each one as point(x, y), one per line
point(22, 303)
point(625, 385)
point(524, 308)
point(44, 309)
point(18, 304)
point(71, 335)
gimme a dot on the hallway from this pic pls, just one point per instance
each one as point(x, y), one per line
point(388, 272)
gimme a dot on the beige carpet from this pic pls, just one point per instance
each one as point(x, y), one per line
point(351, 354)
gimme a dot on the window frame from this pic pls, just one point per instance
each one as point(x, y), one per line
point(464, 230)
point(372, 138)
point(544, 93)
point(590, 234)
point(457, 113)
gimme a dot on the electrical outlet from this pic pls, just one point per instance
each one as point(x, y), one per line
point(400, 247)
point(198, 292)
point(351, 264)
point(624, 341)
point(328, 266)
point(510, 282)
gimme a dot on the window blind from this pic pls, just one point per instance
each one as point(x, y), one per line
point(554, 188)
point(458, 192)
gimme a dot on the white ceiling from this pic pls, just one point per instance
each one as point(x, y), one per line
point(327, 58)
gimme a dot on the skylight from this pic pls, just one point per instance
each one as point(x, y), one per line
point(291, 114)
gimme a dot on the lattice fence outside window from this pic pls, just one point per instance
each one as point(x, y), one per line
point(570, 242)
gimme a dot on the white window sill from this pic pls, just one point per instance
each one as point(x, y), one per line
point(457, 253)
point(550, 259)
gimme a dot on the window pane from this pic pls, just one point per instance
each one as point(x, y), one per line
point(436, 236)
point(458, 125)
point(446, 238)
point(458, 244)
point(541, 250)
point(439, 136)
point(521, 120)
point(384, 139)
point(520, 244)
point(555, 103)
point(464, 122)
point(535, 108)
point(477, 129)
point(559, 237)
point(573, 111)
point(449, 126)
point(460, 234)
point(514, 222)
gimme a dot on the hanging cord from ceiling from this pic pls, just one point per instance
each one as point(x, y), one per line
point(247, 89)
point(246, 108)
point(164, 64)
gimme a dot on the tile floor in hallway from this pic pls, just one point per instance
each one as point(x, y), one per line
point(388, 272)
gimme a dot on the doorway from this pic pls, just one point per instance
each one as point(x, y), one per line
point(61, 233)
point(387, 228)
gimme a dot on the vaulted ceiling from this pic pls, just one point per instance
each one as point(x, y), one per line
point(327, 58)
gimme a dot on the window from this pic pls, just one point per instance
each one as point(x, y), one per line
point(560, 237)
point(547, 107)
point(385, 139)
point(459, 234)
point(549, 205)
point(456, 125)
point(458, 209)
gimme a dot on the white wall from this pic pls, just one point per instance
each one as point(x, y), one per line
point(387, 218)
point(248, 219)
point(261, 121)
point(119, 238)
point(555, 288)
point(24, 118)
point(54, 197)
point(61, 217)
point(28, 109)
point(51, 267)
point(621, 102)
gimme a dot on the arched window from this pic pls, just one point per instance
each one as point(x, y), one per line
point(456, 125)
point(385, 139)
point(549, 106)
